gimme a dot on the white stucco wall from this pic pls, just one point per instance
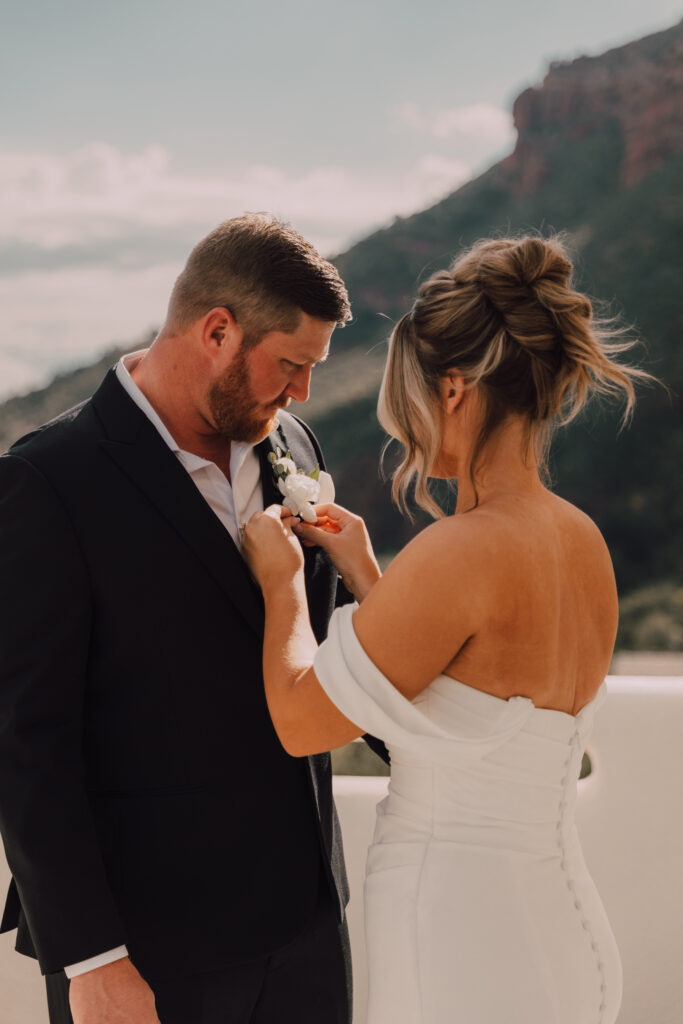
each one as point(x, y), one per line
point(631, 823)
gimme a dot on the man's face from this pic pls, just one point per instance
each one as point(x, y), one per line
point(245, 399)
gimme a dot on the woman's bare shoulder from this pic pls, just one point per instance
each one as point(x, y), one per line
point(481, 549)
point(433, 589)
point(578, 528)
point(457, 549)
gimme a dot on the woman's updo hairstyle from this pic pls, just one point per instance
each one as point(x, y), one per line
point(507, 318)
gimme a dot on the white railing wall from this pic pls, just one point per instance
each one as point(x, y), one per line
point(631, 823)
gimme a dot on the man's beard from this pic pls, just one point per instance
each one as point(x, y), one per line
point(234, 408)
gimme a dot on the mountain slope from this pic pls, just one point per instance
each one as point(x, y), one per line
point(599, 156)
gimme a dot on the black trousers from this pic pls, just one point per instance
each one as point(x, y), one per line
point(308, 981)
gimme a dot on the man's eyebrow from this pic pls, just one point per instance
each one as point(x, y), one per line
point(314, 362)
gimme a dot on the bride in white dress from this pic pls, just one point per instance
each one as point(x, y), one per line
point(479, 657)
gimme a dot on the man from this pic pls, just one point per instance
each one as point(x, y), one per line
point(167, 855)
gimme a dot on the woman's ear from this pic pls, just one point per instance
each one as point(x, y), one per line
point(453, 391)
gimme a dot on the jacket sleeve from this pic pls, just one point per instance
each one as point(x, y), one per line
point(49, 837)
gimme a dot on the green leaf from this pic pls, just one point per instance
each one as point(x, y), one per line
point(272, 457)
point(315, 473)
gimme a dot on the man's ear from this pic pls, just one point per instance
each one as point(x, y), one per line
point(220, 333)
point(453, 390)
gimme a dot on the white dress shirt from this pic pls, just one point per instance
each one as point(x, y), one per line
point(234, 504)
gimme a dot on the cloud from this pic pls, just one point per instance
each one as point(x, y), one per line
point(91, 241)
point(98, 198)
point(53, 320)
point(481, 121)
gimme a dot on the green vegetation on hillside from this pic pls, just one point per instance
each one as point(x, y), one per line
point(567, 176)
point(629, 255)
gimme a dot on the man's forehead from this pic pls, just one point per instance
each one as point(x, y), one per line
point(309, 343)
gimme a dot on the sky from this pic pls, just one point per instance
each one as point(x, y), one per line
point(129, 130)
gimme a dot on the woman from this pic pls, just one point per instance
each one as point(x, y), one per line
point(479, 657)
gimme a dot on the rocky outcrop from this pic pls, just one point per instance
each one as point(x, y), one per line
point(638, 87)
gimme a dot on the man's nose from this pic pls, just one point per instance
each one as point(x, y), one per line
point(299, 386)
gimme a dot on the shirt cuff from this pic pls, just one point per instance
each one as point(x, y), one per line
point(73, 970)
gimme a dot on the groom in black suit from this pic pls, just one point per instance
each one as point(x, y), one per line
point(167, 855)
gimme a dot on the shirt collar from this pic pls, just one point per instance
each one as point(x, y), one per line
point(126, 364)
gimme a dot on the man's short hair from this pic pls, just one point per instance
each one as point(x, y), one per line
point(264, 272)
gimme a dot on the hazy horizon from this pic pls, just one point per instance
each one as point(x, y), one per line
point(129, 132)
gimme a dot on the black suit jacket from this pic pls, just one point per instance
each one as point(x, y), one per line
point(144, 796)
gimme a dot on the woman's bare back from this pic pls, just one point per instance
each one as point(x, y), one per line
point(550, 623)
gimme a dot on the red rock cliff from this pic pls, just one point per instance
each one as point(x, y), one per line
point(640, 86)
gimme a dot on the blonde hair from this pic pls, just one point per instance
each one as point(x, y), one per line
point(505, 315)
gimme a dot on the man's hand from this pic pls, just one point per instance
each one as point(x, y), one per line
point(114, 994)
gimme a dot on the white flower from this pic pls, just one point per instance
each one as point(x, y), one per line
point(326, 494)
point(302, 492)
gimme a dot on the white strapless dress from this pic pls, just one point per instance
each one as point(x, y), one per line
point(479, 907)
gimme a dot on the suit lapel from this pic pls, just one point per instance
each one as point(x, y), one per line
point(270, 444)
point(135, 445)
point(289, 441)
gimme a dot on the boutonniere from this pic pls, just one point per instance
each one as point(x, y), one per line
point(301, 491)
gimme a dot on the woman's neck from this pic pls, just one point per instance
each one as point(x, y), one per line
point(506, 467)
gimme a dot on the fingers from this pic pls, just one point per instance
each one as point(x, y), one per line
point(277, 513)
point(327, 514)
point(305, 531)
point(265, 531)
point(327, 525)
point(273, 511)
point(333, 512)
point(312, 535)
point(331, 519)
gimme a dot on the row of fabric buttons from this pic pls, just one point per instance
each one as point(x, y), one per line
point(570, 884)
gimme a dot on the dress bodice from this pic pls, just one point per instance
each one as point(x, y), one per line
point(466, 766)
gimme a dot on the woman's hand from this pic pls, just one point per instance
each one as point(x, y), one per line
point(270, 548)
point(345, 539)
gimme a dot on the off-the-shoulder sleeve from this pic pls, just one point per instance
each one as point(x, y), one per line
point(362, 693)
